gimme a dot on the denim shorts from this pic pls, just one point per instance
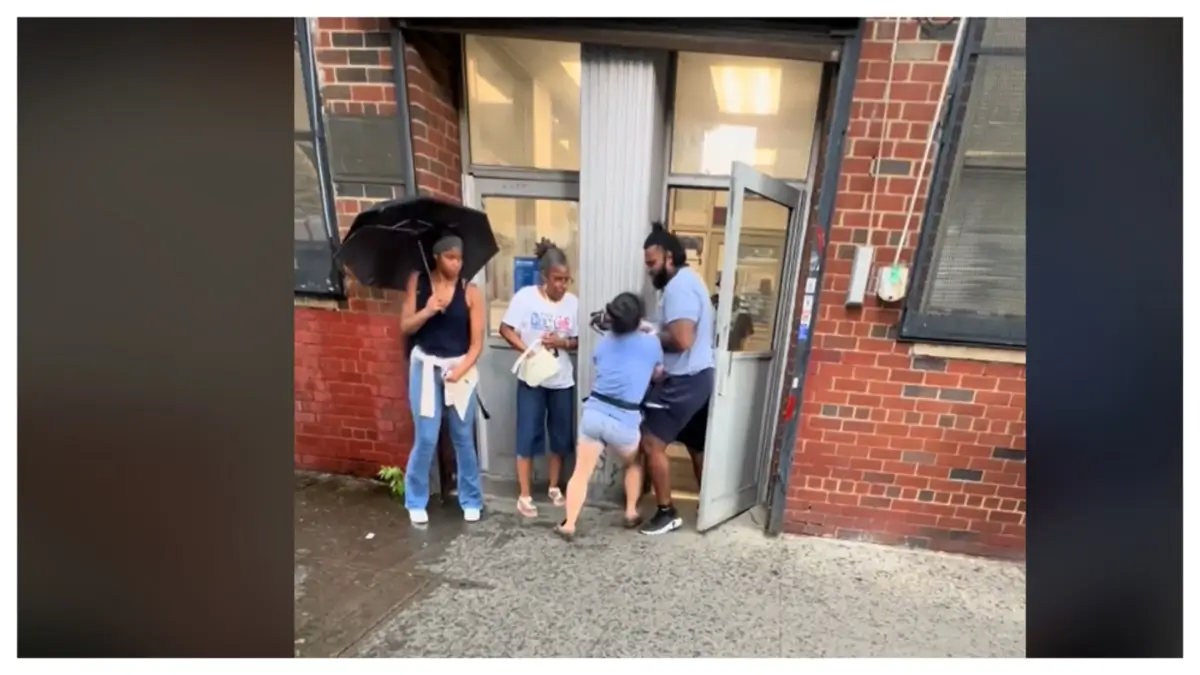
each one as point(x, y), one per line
point(596, 426)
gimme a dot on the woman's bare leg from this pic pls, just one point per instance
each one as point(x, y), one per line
point(633, 484)
point(556, 462)
point(524, 476)
point(587, 453)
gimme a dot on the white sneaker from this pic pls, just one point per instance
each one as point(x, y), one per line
point(418, 516)
point(471, 515)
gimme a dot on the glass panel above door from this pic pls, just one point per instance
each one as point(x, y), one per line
point(523, 102)
point(737, 108)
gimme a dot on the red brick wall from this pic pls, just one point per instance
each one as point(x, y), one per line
point(433, 67)
point(352, 408)
point(892, 447)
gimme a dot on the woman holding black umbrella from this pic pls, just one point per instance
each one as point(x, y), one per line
point(443, 316)
point(429, 248)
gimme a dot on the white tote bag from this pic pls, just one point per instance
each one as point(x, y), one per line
point(536, 365)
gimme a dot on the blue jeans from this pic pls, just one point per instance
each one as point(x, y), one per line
point(420, 460)
point(543, 412)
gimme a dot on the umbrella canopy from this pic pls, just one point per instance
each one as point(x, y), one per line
point(393, 239)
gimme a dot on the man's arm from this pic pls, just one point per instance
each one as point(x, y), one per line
point(680, 312)
point(678, 336)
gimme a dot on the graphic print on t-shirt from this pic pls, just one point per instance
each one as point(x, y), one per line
point(549, 322)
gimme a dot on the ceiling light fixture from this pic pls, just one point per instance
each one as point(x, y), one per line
point(725, 144)
point(745, 90)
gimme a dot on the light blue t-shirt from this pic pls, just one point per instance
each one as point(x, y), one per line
point(686, 297)
point(624, 366)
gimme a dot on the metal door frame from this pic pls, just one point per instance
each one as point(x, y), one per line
point(785, 313)
point(506, 184)
point(744, 178)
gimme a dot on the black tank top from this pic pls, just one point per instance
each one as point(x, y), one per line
point(448, 333)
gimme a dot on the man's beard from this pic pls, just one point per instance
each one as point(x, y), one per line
point(660, 279)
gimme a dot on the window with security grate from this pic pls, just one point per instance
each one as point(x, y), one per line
point(314, 240)
point(969, 278)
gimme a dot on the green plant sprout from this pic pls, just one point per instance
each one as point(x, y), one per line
point(394, 477)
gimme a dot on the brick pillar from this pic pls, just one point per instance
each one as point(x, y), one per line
point(433, 65)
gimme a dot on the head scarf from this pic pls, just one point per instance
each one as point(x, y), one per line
point(446, 243)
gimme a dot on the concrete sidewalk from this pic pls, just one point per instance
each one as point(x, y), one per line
point(506, 587)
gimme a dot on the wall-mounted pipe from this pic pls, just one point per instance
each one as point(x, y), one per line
point(935, 133)
point(887, 100)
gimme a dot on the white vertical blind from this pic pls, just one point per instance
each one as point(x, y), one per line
point(620, 192)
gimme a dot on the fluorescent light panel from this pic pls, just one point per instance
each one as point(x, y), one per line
point(743, 90)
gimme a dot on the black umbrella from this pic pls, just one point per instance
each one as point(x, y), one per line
point(393, 239)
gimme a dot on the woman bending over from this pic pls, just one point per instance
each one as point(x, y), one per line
point(625, 359)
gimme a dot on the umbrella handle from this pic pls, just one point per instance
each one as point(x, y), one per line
point(424, 259)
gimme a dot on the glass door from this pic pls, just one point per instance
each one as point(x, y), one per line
point(521, 213)
point(756, 272)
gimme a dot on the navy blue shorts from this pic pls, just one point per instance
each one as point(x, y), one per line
point(545, 414)
point(683, 397)
point(695, 435)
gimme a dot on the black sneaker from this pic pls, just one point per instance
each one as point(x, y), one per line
point(664, 521)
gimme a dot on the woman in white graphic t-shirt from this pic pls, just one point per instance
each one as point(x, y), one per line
point(547, 314)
